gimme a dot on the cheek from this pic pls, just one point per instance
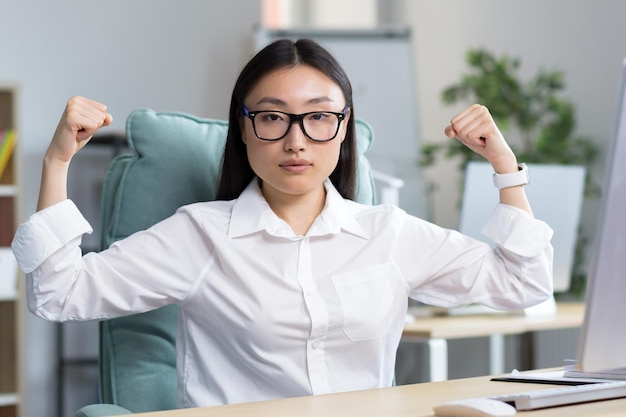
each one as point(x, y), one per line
point(259, 155)
point(331, 156)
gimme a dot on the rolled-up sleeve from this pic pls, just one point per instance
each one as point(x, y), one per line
point(47, 231)
point(517, 231)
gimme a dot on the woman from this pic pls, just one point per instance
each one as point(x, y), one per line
point(286, 286)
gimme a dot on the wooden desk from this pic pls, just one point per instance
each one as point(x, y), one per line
point(435, 331)
point(415, 400)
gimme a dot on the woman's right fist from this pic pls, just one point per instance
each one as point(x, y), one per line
point(81, 119)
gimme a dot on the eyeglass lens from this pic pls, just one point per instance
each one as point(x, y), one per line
point(320, 126)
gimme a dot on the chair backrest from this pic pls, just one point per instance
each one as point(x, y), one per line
point(175, 160)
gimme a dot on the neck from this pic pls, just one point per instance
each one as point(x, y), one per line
point(299, 211)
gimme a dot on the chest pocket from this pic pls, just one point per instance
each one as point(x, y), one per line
point(366, 297)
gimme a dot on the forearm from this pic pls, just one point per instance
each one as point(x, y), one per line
point(53, 187)
point(516, 197)
point(512, 196)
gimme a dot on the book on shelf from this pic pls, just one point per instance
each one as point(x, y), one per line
point(7, 216)
point(8, 137)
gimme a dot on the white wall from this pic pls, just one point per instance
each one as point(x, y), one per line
point(585, 39)
point(162, 54)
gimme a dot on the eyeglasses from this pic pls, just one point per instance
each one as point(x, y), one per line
point(318, 126)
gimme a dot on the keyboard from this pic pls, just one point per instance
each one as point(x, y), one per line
point(565, 395)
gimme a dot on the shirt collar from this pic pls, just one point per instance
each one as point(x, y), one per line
point(252, 214)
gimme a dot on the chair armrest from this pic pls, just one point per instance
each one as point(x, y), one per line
point(388, 187)
point(101, 410)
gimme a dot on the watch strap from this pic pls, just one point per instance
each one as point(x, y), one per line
point(513, 179)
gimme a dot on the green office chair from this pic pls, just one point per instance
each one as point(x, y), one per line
point(175, 161)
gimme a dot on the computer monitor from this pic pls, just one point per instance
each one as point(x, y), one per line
point(602, 344)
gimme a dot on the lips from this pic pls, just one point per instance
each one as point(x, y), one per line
point(295, 165)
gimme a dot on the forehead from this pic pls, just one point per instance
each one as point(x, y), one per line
point(300, 82)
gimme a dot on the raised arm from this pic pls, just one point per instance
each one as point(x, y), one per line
point(80, 121)
point(476, 129)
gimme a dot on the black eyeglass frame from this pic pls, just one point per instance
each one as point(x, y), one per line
point(295, 118)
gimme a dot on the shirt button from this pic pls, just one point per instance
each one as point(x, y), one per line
point(315, 344)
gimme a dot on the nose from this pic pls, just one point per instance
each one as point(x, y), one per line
point(296, 139)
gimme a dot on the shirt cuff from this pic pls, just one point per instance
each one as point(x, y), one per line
point(47, 231)
point(517, 231)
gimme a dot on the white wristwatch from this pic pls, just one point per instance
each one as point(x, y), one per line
point(513, 179)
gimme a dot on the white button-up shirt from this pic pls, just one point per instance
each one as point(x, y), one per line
point(265, 313)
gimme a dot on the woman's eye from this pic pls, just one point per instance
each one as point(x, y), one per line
point(273, 117)
point(318, 117)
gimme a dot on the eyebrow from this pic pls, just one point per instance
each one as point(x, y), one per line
point(277, 101)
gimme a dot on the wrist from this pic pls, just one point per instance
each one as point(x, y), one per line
point(504, 161)
point(505, 165)
point(52, 162)
point(512, 179)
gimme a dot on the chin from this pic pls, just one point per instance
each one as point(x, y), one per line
point(295, 188)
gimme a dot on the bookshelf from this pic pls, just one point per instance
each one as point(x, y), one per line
point(10, 309)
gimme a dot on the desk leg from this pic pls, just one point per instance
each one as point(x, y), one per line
point(496, 354)
point(438, 359)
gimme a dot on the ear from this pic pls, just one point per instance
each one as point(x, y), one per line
point(344, 124)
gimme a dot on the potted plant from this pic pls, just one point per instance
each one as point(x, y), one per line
point(538, 122)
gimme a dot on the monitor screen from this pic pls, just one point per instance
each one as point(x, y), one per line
point(603, 335)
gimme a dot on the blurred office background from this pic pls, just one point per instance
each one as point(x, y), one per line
point(185, 55)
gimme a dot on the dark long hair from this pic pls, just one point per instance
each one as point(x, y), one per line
point(236, 170)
